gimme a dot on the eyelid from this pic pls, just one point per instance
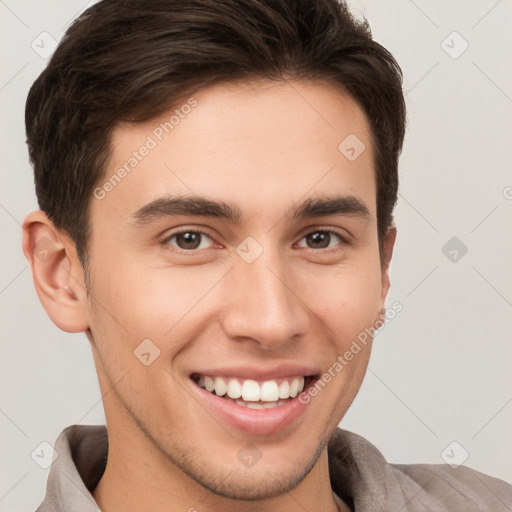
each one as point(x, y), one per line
point(342, 233)
point(165, 239)
point(345, 238)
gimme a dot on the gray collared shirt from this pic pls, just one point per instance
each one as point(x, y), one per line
point(359, 475)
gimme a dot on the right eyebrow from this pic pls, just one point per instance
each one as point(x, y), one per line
point(195, 206)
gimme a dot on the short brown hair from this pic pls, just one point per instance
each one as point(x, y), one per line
point(131, 60)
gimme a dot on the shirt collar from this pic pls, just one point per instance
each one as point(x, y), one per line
point(356, 468)
point(81, 458)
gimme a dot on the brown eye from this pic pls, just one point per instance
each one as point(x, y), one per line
point(188, 240)
point(321, 239)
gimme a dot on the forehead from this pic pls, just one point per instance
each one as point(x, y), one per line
point(260, 143)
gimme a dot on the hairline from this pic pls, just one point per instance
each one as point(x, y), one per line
point(251, 81)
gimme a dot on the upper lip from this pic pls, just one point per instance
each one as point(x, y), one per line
point(261, 374)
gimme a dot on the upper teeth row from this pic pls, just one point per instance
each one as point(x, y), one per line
point(251, 390)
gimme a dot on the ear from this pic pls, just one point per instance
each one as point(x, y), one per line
point(57, 272)
point(388, 245)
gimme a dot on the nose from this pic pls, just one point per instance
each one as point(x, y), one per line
point(264, 304)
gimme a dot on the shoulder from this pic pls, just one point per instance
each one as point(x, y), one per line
point(455, 487)
point(361, 475)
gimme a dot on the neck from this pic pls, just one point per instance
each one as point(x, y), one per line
point(142, 479)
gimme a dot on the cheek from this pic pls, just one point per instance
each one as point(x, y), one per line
point(165, 305)
point(345, 299)
point(137, 331)
point(147, 300)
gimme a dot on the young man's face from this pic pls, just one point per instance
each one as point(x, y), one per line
point(268, 297)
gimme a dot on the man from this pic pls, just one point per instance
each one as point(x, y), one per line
point(217, 182)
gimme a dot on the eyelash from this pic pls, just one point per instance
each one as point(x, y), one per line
point(164, 242)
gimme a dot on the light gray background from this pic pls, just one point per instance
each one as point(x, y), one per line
point(441, 370)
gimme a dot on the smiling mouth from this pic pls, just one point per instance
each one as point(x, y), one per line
point(254, 394)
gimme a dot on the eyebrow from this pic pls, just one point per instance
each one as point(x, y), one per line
point(163, 207)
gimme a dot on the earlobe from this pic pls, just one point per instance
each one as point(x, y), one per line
point(57, 273)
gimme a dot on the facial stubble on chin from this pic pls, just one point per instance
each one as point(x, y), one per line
point(227, 484)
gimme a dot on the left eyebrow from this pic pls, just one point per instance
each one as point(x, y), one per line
point(347, 205)
point(339, 205)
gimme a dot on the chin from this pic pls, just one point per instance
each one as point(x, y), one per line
point(273, 474)
point(252, 484)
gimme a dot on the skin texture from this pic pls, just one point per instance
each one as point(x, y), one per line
point(266, 147)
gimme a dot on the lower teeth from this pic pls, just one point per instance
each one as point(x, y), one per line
point(257, 405)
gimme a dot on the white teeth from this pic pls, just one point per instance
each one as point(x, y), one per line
point(251, 390)
point(234, 388)
point(254, 405)
point(209, 383)
point(294, 387)
point(267, 405)
point(284, 389)
point(269, 391)
point(220, 386)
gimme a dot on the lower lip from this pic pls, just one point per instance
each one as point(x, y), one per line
point(262, 422)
